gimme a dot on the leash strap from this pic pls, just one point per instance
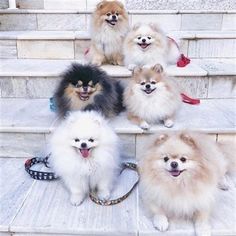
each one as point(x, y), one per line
point(189, 100)
point(41, 175)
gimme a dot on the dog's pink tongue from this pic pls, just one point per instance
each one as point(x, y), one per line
point(84, 152)
point(175, 173)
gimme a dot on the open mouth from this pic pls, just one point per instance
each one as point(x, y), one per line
point(83, 96)
point(143, 45)
point(85, 152)
point(149, 91)
point(175, 173)
point(111, 22)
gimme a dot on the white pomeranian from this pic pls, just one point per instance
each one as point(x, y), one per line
point(179, 176)
point(151, 97)
point(85, 154)
point(147, 45)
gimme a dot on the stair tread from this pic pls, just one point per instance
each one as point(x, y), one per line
point(47, 204)
point(34, 116)
point(66, 35)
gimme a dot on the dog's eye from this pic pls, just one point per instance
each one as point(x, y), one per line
point(91, 140)
point(153, 82)
point(183, 159)
point(76, 140)
point(108, 14)
point(166, 159)
point(78, 85)
point(117, 13)
point(142, 83)
point(149, 37)
point(139, 37)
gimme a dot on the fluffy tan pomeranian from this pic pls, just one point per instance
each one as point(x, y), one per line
point(147, 45)
point(108, 30)
point(179, 175)
point(151, 97)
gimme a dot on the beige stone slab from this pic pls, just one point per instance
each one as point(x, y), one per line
point(80, 48)
point(61, 22)
point(201, 21)
point(227, 137)
point(18, 22)
point(65, 4)
point(8, 49)
point(30, 4)
point(167, 22)
point(127, 145)
point(229, 22)
point(45, 49)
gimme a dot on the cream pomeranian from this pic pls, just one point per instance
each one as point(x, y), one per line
point(147, 45)
point(151, 96)
point(85, 154)
point(179, 175)
point(108, 30)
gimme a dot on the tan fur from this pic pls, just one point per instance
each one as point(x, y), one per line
point(192, 193)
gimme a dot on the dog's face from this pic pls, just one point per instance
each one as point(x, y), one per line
point(111, 13)
point(173, 157)
point(145, 37)
point(148, 81)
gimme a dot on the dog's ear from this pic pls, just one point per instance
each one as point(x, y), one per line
point(154, 27)
point(188, 140)
point(158, 68)
point(101, 4)
point(121, 5)
point(136, 70)
point(161, 139)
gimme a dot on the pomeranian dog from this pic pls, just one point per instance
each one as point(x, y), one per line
point(85, 154)
point(179, 175)
point(151, 96)
point(108, 30)
point(86, 87)
point(147, 45)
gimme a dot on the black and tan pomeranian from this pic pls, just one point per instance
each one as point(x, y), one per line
point(86, 87)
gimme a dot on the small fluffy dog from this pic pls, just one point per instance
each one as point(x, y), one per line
point(86, 87)
point(151, 96)
point(179, 175)
point(108, 30)
point(147, 45)
point(85, 155)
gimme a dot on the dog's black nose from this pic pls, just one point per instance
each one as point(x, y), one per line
point(83, 145)
point(113, 17)
point(174, 164)
point(143, 40)
point(85, 88)
point(148, 86)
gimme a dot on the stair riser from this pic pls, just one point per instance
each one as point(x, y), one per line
point(44, 87)
point(170, 21)
point(32, 144)
point(75, 49)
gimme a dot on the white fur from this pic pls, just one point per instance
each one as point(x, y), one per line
point(82, 174)
point(165, 53)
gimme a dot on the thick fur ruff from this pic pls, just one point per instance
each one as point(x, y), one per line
point(159, 105)
point(94, 168)
point(147, 45)
point(106, 38)
point(189, 191)
point(102, 94)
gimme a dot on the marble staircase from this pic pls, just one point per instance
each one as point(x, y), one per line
point(38, 42)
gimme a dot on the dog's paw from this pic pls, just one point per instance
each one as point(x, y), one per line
point(104, 194)
point(131, 66)
point(144, 125)
point(225, 183)
point(76, 199)
point(160, 222)
point(168, 123)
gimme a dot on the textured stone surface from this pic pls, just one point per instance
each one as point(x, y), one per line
point(201, 22)
point(229, 22)
point(180, 4)
point(61, 22)
point(18, 22)
point(215, 48)
point(30, 4)
point(80, 48)
point(8, 49)
point(227, 138)
point(45, 49)
point(65, 4)
point(3, 4)
point(167, 22)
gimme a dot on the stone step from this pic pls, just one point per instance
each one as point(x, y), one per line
point(77, 19)
point(47, 204)
point(26, 125)
point(73, 44)
point(34, 78)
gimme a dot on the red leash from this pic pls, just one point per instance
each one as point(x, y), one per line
point(189, 100)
